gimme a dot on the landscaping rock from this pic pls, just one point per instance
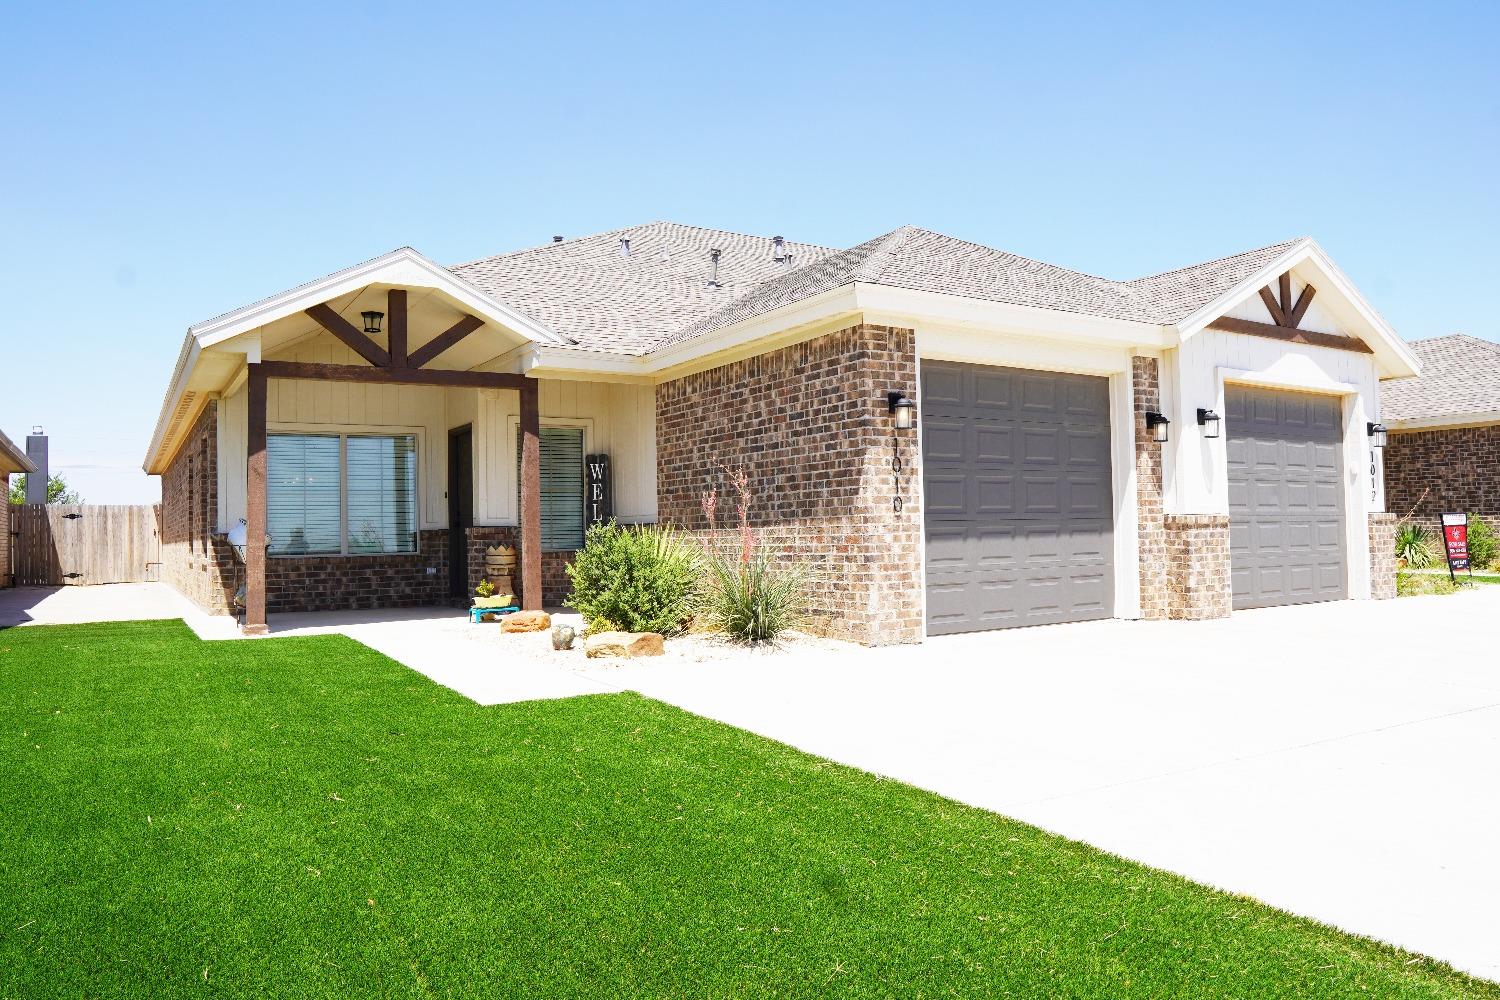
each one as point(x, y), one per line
point(625, 645)
point(646, 644)
point(527, 621)
point(562, 637)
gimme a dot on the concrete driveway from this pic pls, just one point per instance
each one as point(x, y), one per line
point(1340, 761)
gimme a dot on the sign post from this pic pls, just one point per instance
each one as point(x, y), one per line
point(1456, 543)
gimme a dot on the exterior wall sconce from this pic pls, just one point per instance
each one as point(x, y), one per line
point(902, 408)
point(1157, 424)
point(1209, 421)
point(372, 320)
point(1377, 435)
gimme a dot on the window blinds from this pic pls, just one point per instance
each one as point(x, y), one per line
point(302, 494)
point(381, 483)
point(327, 494)
point(562, 487)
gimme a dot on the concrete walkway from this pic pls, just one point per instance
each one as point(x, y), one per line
point(1335, 760)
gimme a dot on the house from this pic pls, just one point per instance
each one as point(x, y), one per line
point(1176, 446)
point(12, 461)
point(1444, 450)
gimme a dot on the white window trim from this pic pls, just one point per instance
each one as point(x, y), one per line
point(343, 432)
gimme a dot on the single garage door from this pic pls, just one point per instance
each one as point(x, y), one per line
point(1018, 500)
point(1286, 497)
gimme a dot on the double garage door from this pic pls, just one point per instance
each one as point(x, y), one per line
point(1019, 508)
point(1019, 499)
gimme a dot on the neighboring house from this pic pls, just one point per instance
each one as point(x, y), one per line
point(1444, 451)
point(12, 461)
point(1034, 486)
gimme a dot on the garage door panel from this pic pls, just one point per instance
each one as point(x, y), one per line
point(1286, 527)
point(1020, 523)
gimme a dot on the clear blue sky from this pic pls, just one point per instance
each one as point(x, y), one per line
point(163, 164)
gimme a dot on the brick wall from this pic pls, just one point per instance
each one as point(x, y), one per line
point(808, 425)
point(197, 564)
point(1382, 556)
point(1151, 530)
point(1197, 557)
point(1458, 470)
point(334, 583)
point(5, 575)
point(555, 585)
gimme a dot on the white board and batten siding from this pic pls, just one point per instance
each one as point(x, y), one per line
point(1194, 375)
point(618, 420)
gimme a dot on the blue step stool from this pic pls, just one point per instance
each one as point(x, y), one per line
point(477, 614)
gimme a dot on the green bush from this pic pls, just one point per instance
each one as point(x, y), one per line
point(1418, 584)
point(1415, 546)
point(752, 596)
point(640, 579)
point(1483, 543)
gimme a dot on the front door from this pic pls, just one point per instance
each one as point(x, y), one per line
point(460, 508)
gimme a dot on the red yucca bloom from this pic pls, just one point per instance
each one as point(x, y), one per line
point(710, 504)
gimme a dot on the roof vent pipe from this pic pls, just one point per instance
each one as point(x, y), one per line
point(713, 255)
point(624, 247)
point(557, 239)
point(778, 254)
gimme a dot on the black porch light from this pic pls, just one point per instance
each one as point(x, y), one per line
point(1209, 421)
point(372, 320)
point(1157, 424)
point(1377, 435)
point(902, 408)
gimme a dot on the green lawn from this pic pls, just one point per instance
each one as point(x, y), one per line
point(306, 818)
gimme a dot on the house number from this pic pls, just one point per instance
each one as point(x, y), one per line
point(897, 467)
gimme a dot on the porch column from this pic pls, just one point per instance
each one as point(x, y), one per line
point(255, 507)
point(531, 498)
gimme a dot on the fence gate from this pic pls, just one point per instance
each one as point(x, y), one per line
point(77, 544)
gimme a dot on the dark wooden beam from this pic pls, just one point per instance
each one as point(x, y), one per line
point(531, 499)
point(1294, 319)
point(437, 345)
point(1285, 283)
point(395, 376)
point(396, 314)
point(341, 328)
point(255, 506)
point(1231, 325)
point(1272, 307)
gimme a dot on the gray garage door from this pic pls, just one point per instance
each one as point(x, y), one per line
point(1018, 503)
point(1286, 497)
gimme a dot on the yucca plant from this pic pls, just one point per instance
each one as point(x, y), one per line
point(750, 593)
point(1414, 546)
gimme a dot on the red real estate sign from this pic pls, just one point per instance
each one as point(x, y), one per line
point(1456, 541)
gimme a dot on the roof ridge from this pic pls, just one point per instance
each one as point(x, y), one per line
point(654, 223)
point(1217, 260)
point(874, 265)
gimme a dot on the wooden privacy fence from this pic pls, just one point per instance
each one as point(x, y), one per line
point(80, 544)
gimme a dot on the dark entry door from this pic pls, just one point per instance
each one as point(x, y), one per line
point(1019, 502)
point(460, 507)
point(1286, 497)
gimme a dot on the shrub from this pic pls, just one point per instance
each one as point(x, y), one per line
point(750, 594)
point(1484, 545)
point(638, 578)
point(1418, 584)
point(1414, 546)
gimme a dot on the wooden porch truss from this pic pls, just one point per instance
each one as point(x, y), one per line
point(388, 366)
point(1288, 317)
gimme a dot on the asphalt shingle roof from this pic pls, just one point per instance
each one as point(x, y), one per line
point(659, 295)
point(1460, 377)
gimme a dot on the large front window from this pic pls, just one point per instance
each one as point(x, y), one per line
point(332, 494)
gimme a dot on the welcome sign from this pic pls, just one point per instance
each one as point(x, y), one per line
point(597, 498)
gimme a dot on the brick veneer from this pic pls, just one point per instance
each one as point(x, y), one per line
point(555, 584)
point(5, 577)
point(1197, 556)
point(199, 565)
point(1150, 526)
point(333, 583)
point(1458, 469)
point(808, 425)
point(1382, 556)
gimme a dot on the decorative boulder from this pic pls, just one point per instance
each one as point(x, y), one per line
point(625, 645)
point(526, 621)
point(562, 636)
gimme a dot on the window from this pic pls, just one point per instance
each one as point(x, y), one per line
point(562, 487)
point(329, 494)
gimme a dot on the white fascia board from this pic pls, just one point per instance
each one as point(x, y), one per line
point(544, 361)
point(399, 267)
point(802, 313)
point(169, 408)
point(1479, 418)
point(906, 306)
point(1398, 359)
